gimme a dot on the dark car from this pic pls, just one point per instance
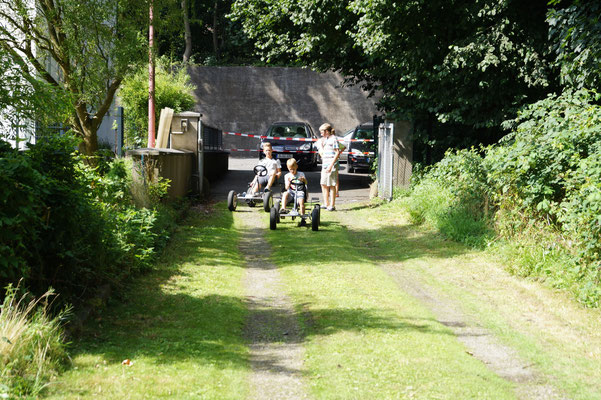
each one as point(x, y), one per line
point(303, 151)
point(357, 159)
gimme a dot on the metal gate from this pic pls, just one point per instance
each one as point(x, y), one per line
point(385, 142)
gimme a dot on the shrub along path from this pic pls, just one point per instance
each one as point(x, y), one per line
point(367, 307)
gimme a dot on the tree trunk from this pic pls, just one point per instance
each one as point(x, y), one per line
point(188, 33)
point(215, 36)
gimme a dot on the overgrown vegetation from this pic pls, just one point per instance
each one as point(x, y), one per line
point(540, 187)
point(173, 89)
point(71, 227)
point(32, 348)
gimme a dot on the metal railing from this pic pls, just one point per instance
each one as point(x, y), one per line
point(212, 138)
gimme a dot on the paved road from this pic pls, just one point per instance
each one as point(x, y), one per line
point(353, 187)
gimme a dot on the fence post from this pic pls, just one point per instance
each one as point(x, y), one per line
point(385, 135)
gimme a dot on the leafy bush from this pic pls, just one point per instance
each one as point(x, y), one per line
point(71, 227)
point(453, 197)
point(172, 89)
point(32, 348)
point(542, 182)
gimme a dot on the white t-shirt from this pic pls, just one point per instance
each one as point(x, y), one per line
point(272, 165)
point(328, 147)
point(289, 177)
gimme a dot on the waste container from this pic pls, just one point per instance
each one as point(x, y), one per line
point(150, 164)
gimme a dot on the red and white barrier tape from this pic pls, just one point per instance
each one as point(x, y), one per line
point(250, 135)
point(308, 151)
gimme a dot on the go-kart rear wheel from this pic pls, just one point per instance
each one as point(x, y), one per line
point(273, 218)
point(315, 218)
point(267, 201)
point(276, 204)
point(232, 200)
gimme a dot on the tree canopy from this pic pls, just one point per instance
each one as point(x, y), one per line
point(83, 48)
point(456, 68)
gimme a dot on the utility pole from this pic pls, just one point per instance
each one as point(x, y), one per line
point(151, 114)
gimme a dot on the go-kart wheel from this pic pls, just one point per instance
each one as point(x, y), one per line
point(260, 170)
point(232, 200)
point(267, 201)
point(315, 219)
point(276, 204)
point(273, 218)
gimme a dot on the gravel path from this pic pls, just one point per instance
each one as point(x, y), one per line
point(276, 350)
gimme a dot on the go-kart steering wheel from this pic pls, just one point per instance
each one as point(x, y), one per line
point(260, 170)
point(298, 184)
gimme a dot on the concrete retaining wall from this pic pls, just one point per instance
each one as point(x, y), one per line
point(249, 99)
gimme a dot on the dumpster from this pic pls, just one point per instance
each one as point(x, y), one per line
point(150, 164)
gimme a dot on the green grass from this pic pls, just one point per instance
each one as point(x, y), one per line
point(547, 327)
point(32, 349)
point(364, 337)
point(181, 326)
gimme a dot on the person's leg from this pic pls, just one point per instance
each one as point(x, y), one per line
point(325, 194)
point(284, 200)
point(270, 182)
point(334, 188)
point(301, 201)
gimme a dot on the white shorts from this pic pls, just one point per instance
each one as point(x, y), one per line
point(329, 179)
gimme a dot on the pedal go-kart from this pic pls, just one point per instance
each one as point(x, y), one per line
point(251, 199)
point(276, 215)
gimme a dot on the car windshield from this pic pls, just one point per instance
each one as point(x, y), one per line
point(292, 131)
point(363, 133)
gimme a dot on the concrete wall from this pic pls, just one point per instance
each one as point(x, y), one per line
point(249, 99)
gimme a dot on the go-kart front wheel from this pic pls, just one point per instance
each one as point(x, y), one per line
point(273, 218)
point(267, 201)
point(232, 200)
point(315, 218)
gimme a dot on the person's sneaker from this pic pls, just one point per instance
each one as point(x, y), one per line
point(267, 190)
point(303, 222)
point(331, 208)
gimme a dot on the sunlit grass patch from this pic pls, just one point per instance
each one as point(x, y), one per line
point(180, 327)
point(365, 338)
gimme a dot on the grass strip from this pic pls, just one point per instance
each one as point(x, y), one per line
point(181, 326)
point(548, 329)
point(365, 338)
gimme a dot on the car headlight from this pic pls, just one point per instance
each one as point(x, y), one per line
point(305, 146)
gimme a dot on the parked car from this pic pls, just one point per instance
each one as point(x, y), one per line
point(303, 151)
point(356, 158)
point(345, 140)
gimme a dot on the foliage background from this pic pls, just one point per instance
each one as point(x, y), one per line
point(172, 89)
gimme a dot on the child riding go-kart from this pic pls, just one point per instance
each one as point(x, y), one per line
point(252, 198)
point(276, 214)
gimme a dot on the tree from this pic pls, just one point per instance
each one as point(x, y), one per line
point(83, 48)
point(576, 32)
point(173, 90)
point(464, 65)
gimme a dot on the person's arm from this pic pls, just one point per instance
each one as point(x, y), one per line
point(278, 172)
point(286, 183)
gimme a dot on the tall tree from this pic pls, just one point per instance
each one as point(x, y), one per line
point(187, 32)
point(84, 48)
point(464, 64)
